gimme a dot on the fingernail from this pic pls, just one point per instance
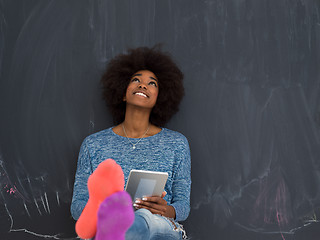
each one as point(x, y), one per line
point(135, 205)
point(137, 201)
point(144, 199)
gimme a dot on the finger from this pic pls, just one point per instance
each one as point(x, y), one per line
point(153, 210)
point(151, 205)
point(158, 200)
point(141, 203)
point(164, 193)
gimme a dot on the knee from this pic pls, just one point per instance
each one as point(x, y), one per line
point(139, 229)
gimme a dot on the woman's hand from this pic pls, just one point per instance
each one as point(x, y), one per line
point(156, 205)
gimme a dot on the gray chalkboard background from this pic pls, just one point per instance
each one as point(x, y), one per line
point(251, 110)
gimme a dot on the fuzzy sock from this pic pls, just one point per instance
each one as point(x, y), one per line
point(107, 179)
point(115, 216)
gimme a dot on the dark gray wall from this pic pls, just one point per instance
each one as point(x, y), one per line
point(251, 110)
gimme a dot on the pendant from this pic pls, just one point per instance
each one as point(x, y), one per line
point(133, 147)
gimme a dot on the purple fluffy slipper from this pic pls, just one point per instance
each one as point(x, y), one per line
point(115, 216)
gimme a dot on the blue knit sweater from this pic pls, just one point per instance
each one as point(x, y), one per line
point(168, 151)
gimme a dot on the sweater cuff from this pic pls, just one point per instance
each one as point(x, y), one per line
point(180, 215)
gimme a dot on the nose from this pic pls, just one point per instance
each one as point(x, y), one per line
point(143, 86)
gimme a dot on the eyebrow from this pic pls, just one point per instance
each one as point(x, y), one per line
point(139, 74)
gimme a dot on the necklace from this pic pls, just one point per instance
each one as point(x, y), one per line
point(134, 144)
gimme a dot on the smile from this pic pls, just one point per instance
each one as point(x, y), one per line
point(141, 94)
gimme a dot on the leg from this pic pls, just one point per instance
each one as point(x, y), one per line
point(154, 227)
point(139, 230)
point(164, 228)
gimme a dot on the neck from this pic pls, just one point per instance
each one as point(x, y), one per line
point(136, 123)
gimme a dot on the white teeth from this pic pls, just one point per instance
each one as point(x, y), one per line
point(141, 94)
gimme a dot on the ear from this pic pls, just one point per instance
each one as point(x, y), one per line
point(124, 98)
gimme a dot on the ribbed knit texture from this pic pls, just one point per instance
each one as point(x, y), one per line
point(168, 151)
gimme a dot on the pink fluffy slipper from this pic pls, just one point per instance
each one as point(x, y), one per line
point(104, 181)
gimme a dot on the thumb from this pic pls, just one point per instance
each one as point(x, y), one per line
point(164, 193)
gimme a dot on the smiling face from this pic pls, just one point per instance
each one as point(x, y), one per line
point(142, 90)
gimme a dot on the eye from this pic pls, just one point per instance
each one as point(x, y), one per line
point(153, 83)
point(135, 80)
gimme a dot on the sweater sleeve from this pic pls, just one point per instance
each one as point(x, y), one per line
point(182, 182)
point(80, 190)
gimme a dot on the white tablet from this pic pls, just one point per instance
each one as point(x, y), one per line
point(145, 183)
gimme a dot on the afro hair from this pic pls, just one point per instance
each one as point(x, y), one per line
point(119, 71)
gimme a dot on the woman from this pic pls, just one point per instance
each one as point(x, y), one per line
point(143, 89)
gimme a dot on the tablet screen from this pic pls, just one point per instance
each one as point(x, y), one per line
point(145, 183)
point(145, 187)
